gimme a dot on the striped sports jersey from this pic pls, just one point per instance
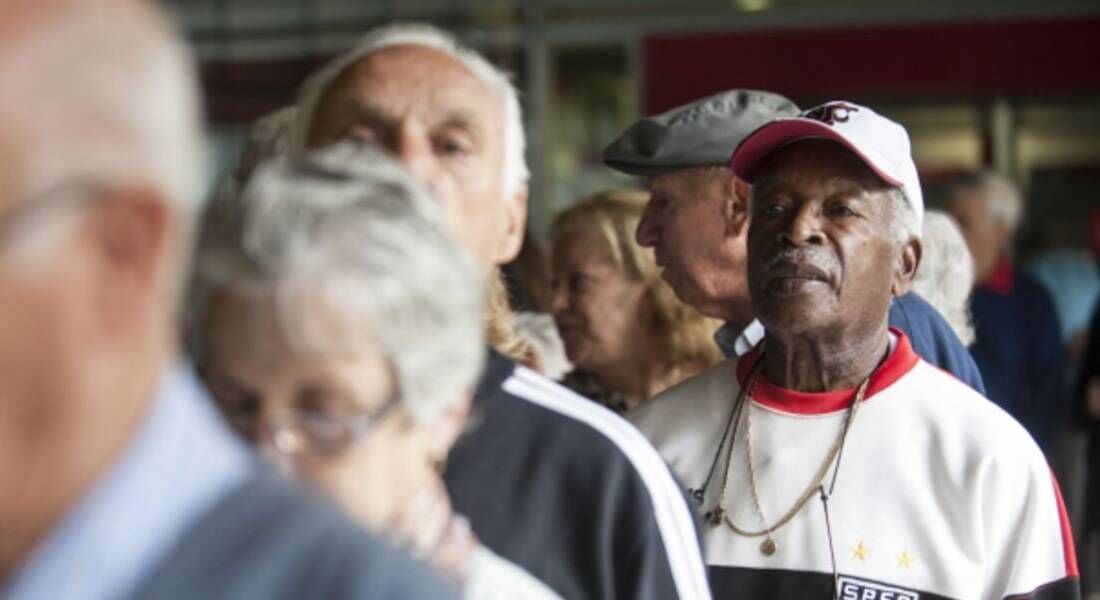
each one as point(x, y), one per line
point(939, 493)
point(574, 495)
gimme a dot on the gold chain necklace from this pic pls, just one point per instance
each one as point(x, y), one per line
point(768, 546)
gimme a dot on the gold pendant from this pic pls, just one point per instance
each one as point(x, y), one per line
point(716, 516)
point(768, 547)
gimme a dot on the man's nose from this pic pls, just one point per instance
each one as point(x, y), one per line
point(648, 232)
point(803, 227)
point(415, 153)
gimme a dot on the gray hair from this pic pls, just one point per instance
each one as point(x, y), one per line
point(351, 253)
point(903, 219)
point(514, 171)
point(946, 273)
point(1003, 201)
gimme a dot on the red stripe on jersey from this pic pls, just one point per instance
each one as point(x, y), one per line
point(1067, 532)
point(764, 392)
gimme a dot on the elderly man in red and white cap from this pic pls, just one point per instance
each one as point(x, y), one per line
point(833, 461)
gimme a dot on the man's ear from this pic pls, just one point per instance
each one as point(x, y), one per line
point(515, 215)
point(905, 269)
point(131, 231)
point(736, 207)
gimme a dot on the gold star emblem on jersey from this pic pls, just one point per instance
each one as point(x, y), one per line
point(905, 560)
point(860, 552)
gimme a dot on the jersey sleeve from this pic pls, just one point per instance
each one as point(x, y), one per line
point(1029, 551)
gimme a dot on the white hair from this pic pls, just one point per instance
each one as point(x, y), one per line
point(352, 254)
point(106, 92)
point(903, 219)
point(514, 171)
point(946, 273)
point(1003, 201)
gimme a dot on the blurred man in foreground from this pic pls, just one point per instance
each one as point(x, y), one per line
point(833, 461)
point(119, 480)
point(549, 480)
point(699, 216)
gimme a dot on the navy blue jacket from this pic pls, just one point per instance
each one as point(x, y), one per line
point(572, 493)
point(1019, 351)
point(1090, 369)
point(934, 340)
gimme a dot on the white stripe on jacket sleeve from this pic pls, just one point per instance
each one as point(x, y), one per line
point(674, 520)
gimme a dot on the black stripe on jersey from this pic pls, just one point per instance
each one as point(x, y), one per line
point(737, 583)
point(1063, 589)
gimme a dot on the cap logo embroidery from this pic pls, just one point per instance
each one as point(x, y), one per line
point(831, 114)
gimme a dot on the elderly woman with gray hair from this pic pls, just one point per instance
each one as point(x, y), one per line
point(340, 331)
point(946, 273)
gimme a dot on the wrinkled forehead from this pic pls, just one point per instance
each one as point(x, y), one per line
point(21, 27)
point(408, 81)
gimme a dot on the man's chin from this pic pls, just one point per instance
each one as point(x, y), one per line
point(791, 314)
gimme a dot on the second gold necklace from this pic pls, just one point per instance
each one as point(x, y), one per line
point(720, 515)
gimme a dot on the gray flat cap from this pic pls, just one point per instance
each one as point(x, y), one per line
point(704, 132)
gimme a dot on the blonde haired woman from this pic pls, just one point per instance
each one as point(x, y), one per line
point(625, 332)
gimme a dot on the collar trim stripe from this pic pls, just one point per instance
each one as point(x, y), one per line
point(901, 360)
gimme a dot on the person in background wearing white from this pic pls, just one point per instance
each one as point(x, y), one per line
point(833, 461)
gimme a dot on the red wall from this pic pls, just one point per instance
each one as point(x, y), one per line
point(1034, 57)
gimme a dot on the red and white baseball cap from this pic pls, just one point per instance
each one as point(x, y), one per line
point(880, 143)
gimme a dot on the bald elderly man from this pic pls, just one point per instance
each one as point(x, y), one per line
point(834, 462)
point(117, 477)
point(698, 218)
point(549, 480)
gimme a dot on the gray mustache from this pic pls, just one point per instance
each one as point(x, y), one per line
point(812, 256)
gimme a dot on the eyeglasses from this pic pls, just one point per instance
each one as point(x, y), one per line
point(296, 431)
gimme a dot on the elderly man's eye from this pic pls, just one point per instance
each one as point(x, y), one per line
point(842, 211)
point(452, 147)
point(771, 208)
